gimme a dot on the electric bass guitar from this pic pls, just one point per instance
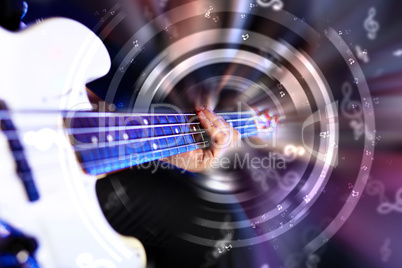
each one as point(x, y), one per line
point(54, 146)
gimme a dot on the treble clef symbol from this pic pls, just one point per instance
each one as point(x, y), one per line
point(371, 25)
point(349, 108)
point(386, 207)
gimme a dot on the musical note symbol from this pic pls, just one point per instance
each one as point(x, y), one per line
point(324, 134)
point(221, 245)
point(371, 25)
point(355, 114)
point(276, 4)
point(208, 13)
point(354, 193)
point(376, 187)
point(385, 250)
point(307, 199)
point(362, 54)
point(386, 207)
point(245, 36)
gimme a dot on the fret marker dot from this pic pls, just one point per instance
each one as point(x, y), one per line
point(145, 121)
point(125, 136)
point(176, 130)
point(94, 139)
point(155, 146)
point(109, 138)
point(194, 129)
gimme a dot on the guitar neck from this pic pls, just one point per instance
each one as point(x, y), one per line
point(107, 142)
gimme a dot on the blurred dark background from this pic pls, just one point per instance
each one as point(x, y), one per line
point(363, 239)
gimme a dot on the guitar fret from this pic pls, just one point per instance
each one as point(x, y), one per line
point(116, 128)
point(146, 147)
point(135, 136)
point(111, 141)
point(125, 142)
point(163, 141)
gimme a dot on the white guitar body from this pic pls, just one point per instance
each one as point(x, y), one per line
point(45, 68)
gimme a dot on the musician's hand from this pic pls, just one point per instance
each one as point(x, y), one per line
point(223, 137)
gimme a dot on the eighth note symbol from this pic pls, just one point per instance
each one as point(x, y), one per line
point(371, 25)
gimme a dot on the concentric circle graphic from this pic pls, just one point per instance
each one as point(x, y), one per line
point(236, 56)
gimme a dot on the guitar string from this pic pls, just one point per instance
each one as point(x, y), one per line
point(91, 114)
point(104, 129)
point(113, 160)
point(103, 160)
point(121, 158)
point(112, 143)
point(21, 156)
point(86, 130)
point(107, 144)
point(117, 114)
point(13, 134)
point(168, 125)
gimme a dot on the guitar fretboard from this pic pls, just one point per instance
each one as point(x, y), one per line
point(107, 142)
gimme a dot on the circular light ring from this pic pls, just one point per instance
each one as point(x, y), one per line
point(317, 93)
